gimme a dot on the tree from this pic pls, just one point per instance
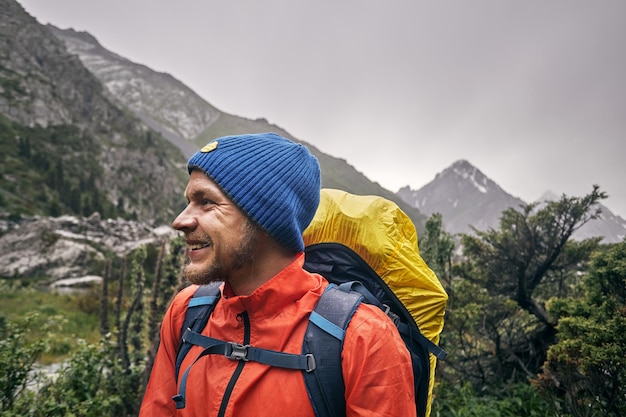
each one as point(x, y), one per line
point(105, 379)
point(167, 282)
point(507, 276)
point(24, 147)
point(436, 247)
point(586, 370)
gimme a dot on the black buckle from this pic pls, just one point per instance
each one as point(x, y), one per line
point(386, 309)
point(236, 352)
point(393, 316)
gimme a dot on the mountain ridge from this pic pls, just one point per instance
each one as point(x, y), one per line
point(185, 113)
point(126, 80)
point(51, 78)
point(81, 151)
point(466, 198)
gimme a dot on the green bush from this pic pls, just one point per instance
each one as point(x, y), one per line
point(17, 359)
point(83, 387)
point(514, 401)
point(585, 373)
point(104, 379)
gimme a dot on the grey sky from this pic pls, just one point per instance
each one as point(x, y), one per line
point(533, 93)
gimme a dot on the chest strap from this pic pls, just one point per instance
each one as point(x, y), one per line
point(239, 352)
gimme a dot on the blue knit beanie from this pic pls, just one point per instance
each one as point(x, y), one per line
point(273, 180)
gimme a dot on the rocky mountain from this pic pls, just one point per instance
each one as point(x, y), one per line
point(465, 197)
point(159, 99)
point(66, 247)
point(93, 147)
point(188, 121)
point(65, 147)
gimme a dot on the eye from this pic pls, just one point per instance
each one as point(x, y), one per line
point(207, 202)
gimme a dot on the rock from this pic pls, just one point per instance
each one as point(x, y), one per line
point(65, 247)
point(71, 282)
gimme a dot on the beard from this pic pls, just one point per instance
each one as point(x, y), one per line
point(222, 267)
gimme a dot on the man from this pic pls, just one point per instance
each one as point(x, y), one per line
point(250, 197)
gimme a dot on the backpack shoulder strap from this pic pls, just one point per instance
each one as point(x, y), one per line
point(324, 339)
point(199, 310)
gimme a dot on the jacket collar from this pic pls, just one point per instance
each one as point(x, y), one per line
point(283, 289)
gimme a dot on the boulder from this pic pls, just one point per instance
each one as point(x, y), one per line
point(65, 247)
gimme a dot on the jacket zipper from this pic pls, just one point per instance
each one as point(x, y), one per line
point(240, 365)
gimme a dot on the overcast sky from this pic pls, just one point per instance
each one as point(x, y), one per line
point(532, 93)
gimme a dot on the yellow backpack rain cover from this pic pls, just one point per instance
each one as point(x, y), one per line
point(386, 239)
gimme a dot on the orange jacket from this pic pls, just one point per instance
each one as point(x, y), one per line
point(375, 362)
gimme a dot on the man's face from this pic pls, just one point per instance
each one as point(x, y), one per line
point(221, 240)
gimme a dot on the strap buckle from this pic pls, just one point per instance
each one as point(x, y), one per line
point(393, 316)
point(236, 351)
point(310, 362)
point(185, 333)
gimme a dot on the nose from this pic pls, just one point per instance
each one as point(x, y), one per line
point(185, 221)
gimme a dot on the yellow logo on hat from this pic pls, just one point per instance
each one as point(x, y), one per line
point(209, 147)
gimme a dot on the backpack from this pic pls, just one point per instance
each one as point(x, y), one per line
point(366, 247)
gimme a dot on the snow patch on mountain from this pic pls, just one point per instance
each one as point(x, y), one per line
point(471, 176)
point(468, 199)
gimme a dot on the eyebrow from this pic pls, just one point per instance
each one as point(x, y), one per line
point(203, 193)
point(196, 194)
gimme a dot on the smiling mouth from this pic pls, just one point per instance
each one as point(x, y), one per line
point(198, 246)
